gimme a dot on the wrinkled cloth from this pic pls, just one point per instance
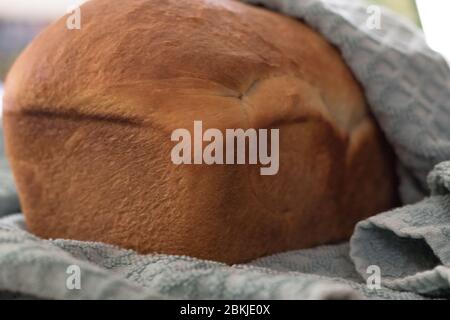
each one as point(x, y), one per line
point(408, 88)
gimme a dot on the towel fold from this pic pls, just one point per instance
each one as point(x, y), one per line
point(411, 245)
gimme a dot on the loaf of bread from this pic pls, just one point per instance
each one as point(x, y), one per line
point(89, 114)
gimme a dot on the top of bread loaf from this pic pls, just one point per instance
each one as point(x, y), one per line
point(132, 58)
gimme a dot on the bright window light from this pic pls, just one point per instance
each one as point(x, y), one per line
point(436, 24)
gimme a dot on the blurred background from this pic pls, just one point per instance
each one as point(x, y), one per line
point(21, 21)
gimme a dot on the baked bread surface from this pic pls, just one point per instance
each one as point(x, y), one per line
point(88, 116)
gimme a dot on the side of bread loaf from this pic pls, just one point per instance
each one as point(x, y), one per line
point(89, 114)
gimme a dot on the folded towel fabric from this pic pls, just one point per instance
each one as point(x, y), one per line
point(408, 88)
point(38, 268)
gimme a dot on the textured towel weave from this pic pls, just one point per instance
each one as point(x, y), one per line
point(408, 89)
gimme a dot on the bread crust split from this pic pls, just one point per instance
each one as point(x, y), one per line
point(88, 116)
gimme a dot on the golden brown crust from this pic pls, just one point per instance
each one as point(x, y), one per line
point(88, 117)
